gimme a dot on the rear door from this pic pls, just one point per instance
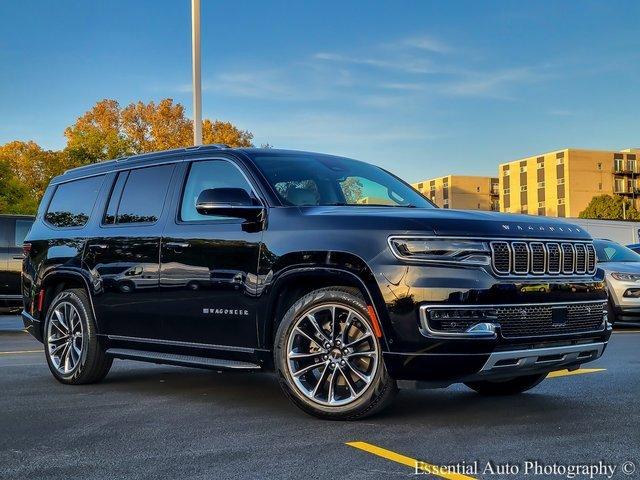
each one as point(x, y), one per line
point(123, 256)
point(19, 227)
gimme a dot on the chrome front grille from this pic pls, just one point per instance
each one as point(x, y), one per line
point(519, 258)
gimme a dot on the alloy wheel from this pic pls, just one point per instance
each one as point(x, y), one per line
point(65, 339)
point(332, 354)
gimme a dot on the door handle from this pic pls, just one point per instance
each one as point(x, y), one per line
point(177, 245)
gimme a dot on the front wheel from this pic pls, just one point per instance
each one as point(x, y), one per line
point(328, 358)
point(511, 386)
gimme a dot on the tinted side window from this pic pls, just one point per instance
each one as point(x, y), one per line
point(206, 175)
point(143, 195)
point(22, 228)
point(72, 202)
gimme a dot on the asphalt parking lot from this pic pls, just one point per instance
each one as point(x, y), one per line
point(169, 422)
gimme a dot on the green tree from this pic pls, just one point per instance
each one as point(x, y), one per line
point(609, 207)
point(29, 169)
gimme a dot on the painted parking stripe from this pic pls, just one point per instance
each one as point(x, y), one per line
point(415, 465)
point(580, 371)
point(626, 331)
point(21, 352)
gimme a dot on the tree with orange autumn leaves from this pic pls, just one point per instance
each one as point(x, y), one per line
point(104, 132)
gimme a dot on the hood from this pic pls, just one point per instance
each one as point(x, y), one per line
point(447, 222)
point(622, 267)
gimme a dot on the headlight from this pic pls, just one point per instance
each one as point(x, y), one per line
point(626, 277)
point(431, 249)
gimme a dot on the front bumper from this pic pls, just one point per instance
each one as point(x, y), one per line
point(417, 354)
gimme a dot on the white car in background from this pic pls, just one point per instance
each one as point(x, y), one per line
point(621, 267)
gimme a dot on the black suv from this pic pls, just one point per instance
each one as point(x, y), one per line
point(13, 230)
point(333, 272)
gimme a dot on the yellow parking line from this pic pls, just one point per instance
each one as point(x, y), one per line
point(580, 371)
point(21, 352)
point(626, 331)
point(417, 465)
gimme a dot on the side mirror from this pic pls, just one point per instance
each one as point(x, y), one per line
point(229, 202)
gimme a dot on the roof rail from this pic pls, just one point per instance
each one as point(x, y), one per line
point(209, 145)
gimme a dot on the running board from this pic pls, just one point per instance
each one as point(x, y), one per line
point(181, 360)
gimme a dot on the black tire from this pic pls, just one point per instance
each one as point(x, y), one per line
point(93, 365)
point(376, 396)
point(510, 386)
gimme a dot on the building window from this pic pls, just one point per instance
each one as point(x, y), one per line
point(559, 161)
point(540, 184)
point(540, 165)
point(617, 165)
point(506, 173)
point(420, 186)
point(561, 181)
point(523, 169)
point(524, 209)
point(540, 204)
point(477, 189)
point(478, 206)
point(599, 186)
point(523, 188)
point(631, 166)
point(618, 185)
point(599, 166)
point(507, 191)
point(561, 201)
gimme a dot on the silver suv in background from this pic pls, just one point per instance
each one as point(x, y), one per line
point(621, 267)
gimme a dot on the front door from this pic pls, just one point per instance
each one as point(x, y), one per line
point(124, 257)
point(209, 265)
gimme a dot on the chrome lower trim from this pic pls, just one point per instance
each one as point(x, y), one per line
point(10, 297)
point(173, 343)
point(551, 357)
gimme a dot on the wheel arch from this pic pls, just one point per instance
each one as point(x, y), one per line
point(299, 279)
point(62, 279)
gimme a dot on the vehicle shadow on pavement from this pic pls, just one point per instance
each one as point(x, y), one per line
point(261, 391)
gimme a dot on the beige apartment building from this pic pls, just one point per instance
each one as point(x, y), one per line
point(563, 182)
point(461, 191)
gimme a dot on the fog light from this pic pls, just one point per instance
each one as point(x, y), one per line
point(632, 293)
point(482, 329)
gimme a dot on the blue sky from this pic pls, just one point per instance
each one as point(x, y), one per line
point(422, 88)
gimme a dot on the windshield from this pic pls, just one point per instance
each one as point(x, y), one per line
point(308, 179)
point(608, 251)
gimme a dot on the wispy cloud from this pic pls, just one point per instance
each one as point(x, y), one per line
point(497, 84)
point(425, 42)
point(406, 64)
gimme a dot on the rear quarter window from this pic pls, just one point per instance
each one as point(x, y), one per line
point(73, 202)
point(21, 231)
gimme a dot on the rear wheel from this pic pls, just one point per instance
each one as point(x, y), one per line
point(72, 349)
point(510, 386)
point(328, 358)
